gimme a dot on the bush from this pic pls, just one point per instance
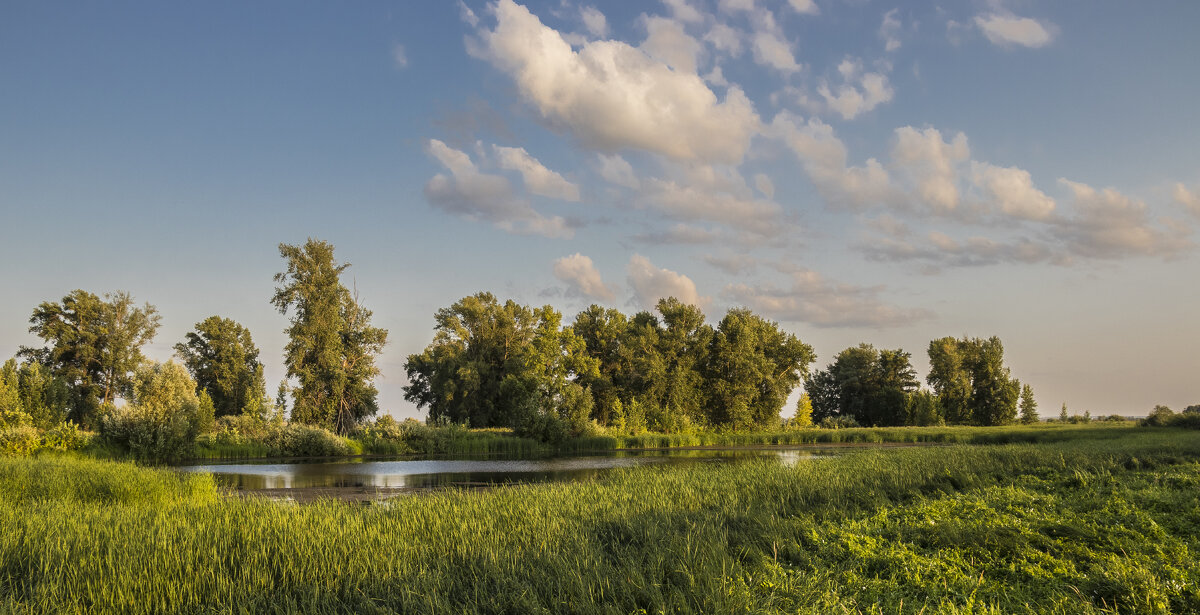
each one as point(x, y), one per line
point(838, 422)
point(65, 437)
point(162, 422)
point(1159, 417)
point(20, 441)
point(299, 440)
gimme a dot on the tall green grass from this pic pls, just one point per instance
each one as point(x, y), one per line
point(1081, 526)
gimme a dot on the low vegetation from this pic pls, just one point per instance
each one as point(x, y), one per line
point(1080, 526)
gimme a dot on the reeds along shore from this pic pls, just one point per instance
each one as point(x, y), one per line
point(1083, 525)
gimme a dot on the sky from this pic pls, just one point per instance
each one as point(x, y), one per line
point(858, 171)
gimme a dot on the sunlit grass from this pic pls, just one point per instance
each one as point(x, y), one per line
point(1082, 526)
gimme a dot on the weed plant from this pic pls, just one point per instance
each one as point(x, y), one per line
point(1077, 526)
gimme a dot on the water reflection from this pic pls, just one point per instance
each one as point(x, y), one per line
point(423, 474)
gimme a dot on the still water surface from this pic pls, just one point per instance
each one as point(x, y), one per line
point(423, 474)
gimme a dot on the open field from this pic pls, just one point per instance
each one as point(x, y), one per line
point(1080, 526)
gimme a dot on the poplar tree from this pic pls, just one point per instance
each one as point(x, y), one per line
point(332, 346)
point(1029, 413)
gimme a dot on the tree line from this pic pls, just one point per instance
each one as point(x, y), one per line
point(491, 364)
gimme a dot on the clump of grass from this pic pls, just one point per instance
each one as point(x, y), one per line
point(1082, 526)
point(71, 481)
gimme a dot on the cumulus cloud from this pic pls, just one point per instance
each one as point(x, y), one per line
point(764, 185)
point(594, 21)
point(1108, 224)
point(582, 277)
point(610, 95)
point(538, 179)
point(889, 30)
point(474, 195)
point(667, 42)
point(682, 11)
point(813, 299)
point(398, 56)
point(650, 283)
point(771, 49)
point(734, 6)
point(824, 158)
point(725, 38)
point(931, 164)
point(616, 170)
point(712, 194)
point(859, 91)
point(1012, 190)
point(1007, 30)
point(804, 7)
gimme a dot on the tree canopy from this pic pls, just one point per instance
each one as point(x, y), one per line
point(222, 358)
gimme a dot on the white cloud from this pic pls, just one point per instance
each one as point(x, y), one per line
point(813, 299)
point(824, 159)
point(611, 96)
point(889, 30)
point(398, 56)
point(1006, 30)
point(667, 42)
point(616, 170)
point(770, 49)
point(1188, 198)
point(538, 179)
point(725, 38)
point(682, 11)
point(932, 164)
point(650, 283)
point(714, 194)
point(582, 277)
point(1012, 190)
point(473, 195)
point(940, 250)
point(860, 91)
point(733, 264)
point(804, 7)
point(1107, 224)
point(594, 21)
point(467, 14)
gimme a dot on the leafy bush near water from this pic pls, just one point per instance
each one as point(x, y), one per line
point(1075, 527)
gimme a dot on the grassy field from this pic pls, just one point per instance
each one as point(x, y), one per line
point(1080, 526)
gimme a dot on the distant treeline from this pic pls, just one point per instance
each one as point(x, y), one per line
point(490, 364)
point(505, 364)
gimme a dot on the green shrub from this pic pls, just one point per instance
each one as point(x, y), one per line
point(65, 437)
point(299, 440)
point(19, 441)
point(162, 421)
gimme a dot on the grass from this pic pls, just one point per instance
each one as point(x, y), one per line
point(1078, 526)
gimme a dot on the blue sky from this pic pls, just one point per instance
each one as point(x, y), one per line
point(859, 171)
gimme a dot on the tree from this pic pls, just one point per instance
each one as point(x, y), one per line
point(94, 346)
point(332, 346)
point(804, 412)
point(602, 331)
point(822, 388)
point(164, 415)
point(12, 412)
point(222, 358)
point(1029, 413)
point(1062, 416)
point(971, 381)
point(752, 368)
point(868, 385)
point(503, 365)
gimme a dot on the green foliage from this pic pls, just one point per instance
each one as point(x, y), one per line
point(163, 419)
point(19, 440)
point(1085, 527)
point(870, 386)
point(1029, 413)
point(1163, 416)
point(922, 409)
point(804, 412)
point(332, 346)
point(1062, 416)
point(752, 367)
point(94, 346)
point(222, 358)
point(971, 381)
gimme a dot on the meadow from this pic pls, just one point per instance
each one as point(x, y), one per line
point(1081, 525)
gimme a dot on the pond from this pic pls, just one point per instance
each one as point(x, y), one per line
point(370, 478)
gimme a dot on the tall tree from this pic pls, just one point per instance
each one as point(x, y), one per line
point(871, 386)
point(950, 377)
point(752, 368)
point(1029, 413)
point(94, 345)
point(683, 346)
point(602, 331)
point(222, 358)
point(332, 346)
point(971, 381)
